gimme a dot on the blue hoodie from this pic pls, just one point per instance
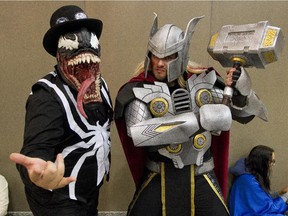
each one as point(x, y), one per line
point(247, 198)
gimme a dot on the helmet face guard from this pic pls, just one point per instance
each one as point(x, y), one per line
point(168, 40)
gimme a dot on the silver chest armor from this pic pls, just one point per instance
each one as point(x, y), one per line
point(178, 125)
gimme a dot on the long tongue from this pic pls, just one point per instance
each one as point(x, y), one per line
point(83, 88)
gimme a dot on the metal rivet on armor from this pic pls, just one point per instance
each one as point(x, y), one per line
point(203, 96)
point(174, 148)
point(199, 141)
point(159, 107)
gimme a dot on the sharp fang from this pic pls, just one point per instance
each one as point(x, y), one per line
point(82, 58)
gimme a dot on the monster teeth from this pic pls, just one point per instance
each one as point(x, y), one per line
point(88, 59)
point(82, 58)
point(90, 97)
point(97, 86)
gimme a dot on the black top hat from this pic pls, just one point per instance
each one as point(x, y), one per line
point(67, 19)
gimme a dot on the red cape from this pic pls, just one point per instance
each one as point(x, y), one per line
point(136, 156)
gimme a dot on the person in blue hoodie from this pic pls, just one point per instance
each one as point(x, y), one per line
point(250, 193)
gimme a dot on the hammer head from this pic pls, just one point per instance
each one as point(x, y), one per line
point(251, 45)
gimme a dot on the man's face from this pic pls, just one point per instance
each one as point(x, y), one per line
point(160, 65)
point(78, 62)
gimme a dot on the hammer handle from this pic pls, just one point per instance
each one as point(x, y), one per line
point(227, 95)
point(228, 91)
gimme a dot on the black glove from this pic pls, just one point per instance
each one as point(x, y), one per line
point(235, 76)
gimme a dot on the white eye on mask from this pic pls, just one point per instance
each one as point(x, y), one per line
point(67, 43)
point(70, 44)
point(94, 41)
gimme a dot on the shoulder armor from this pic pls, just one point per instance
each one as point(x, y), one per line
point(124, 97)
point(151, 92)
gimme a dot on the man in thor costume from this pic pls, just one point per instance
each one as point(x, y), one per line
point(175, 130)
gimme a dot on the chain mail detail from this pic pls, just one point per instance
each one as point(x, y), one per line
point(217, 95)
point(136, 112)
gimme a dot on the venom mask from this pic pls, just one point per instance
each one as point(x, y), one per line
point(78, 58)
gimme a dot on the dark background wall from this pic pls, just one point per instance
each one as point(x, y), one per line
point(124, 40)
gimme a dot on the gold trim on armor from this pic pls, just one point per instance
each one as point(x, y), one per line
point(192, 173)
point(163, 189)
point(199, 141)
point(200, 101)
point(216, 191)
point(159, 107)
point(149, 179)
point(165, 127)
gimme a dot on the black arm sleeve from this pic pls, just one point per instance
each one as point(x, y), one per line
point(43, 128)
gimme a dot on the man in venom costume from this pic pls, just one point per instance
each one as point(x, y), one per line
point(68, 118)
point(175, 122)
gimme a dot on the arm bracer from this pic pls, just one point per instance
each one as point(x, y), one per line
point(136, 112)
point(148, 131)
point(253, 106)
